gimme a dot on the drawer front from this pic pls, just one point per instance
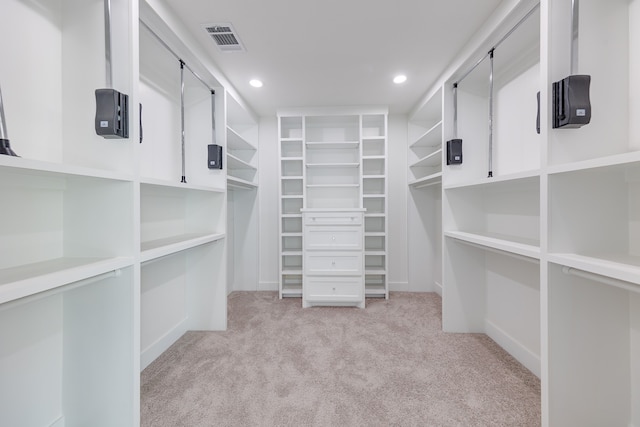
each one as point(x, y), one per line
point(333, 289)
point(328, 237)
point(333, 218)
point(333, 263)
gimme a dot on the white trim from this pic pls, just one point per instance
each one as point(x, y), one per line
point(522, 354)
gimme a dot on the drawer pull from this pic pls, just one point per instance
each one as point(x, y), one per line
point(333, 238)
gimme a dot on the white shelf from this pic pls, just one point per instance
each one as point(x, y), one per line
point(160, 183)
point(375, 253)
point(375, 272)
point(374, 138)
point(235, 141)
point(510, 244)
point(22, 281)
point(430, 160)
point(240, 184)
point(373, 196)
point(332, 165)
point(44, 169)
point(431, 138)
point(377, 157)
point(520, 178)
point(162, 247)
point(617, 266)
point(375, 290)
point(609, 161)
point(234, 162)
point(333, 185)
point(290, 159)
point(332, 145)
point(426, 181)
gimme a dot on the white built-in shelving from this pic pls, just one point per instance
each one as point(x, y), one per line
point(425, 157)
point(182, 202)
point(491, 203)
point(539, 240)
point(68, 258)
point(108, 256)
point(242, 132)
point(333, 159)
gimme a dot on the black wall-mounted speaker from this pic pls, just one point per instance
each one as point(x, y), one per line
point(112, 114)
point(571, 103)
point(454, 151)
point(215, 156)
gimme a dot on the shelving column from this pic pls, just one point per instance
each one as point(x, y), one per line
point(182, 224)
point(291, 191)
point(242, 195)
point(374, 200)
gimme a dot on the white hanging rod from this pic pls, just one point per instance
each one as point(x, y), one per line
point(627, 286)
point(166, 46)
point(499, 251)
point(520, 22)
point(59, 289)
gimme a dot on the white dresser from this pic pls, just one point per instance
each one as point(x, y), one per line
point(333, 257)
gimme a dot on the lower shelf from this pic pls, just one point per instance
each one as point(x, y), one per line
point(22, 281)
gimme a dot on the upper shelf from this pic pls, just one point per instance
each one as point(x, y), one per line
point(426, 181)
point(431, 138)
point(333, 144)
point(433, 159)
point(235, 141)
point(235, 183)
point(234, 162)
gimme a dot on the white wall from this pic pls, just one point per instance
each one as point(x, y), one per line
point(268, 203)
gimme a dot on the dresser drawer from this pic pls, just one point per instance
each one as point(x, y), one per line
point(333, 263)
point(333, 218)
point(341, 237)
point(333, 289)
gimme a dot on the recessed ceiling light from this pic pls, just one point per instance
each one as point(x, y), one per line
point(400, 78)
point(255, 83)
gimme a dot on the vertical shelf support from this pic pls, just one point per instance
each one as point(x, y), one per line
point(490, 174)
point(184, 179)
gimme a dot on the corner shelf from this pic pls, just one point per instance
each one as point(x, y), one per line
point(433, 179)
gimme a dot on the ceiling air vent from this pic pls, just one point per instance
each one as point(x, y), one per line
point(225, 37)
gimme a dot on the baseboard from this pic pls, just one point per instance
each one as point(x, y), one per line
point(58, 423)
point(437, 287)
point(268, 286)
point(399, 287)
point(161, 345)
point(522, 354)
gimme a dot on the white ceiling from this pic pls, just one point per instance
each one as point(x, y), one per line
point(336, 52)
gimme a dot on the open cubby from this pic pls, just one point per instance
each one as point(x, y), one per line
point(373, 125)
point(181, 292)
point(67, 355)
point(291, 168)
point(594, 351)
point(171, 214)
point(291, 127)
point(291, 149)
point(292, 205)
point(338, 128)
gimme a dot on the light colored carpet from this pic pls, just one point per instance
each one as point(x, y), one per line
point(387, 365)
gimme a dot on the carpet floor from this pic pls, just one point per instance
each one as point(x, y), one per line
point(387, 365)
